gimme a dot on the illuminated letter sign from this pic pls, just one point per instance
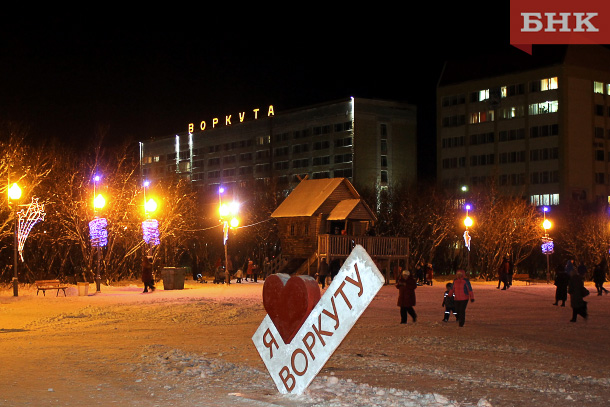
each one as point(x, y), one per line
point(294, 365)
point(242, 117)
point(98, 232)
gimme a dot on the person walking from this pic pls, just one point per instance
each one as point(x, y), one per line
point(462, 290)
point(147, 274)
point(503, 273)
point(561, 283)
point(577, 291)
point(323, 272)
point(599, 276)
point(406, 285)
point(449, 303)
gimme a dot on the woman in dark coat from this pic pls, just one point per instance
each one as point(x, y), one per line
point(577, 291)
point(406, 285)
point(147, 275)
point(561, 282)
point(599, 276)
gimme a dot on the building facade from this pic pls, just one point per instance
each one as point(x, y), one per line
point(537, 125)
point(370, 142)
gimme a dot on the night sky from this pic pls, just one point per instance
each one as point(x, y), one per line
point(140, 77)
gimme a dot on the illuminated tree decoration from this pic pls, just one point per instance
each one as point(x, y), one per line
point(150, 231)
point(98, 232)
point(27, 219)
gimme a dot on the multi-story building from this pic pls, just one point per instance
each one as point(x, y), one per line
point(370, 142)
point(538, 125)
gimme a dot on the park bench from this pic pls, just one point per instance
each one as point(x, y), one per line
point(44, 285)
point(523, 277)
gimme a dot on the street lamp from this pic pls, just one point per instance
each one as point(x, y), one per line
point(14, 193)
point(228, 216)
point(468, 223)
point(98, 203)
point(547, 243)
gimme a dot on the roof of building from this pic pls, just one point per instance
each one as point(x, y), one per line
point(355, 209)
point(514, 60)
point(309, 195)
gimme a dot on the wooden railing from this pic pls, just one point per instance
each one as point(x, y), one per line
point(332, 246)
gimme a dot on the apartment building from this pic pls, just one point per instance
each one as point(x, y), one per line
point(537, 125)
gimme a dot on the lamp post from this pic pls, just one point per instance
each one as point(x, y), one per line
point(468, 223)
point(14, 193)
point(547, 242)
point(98, 203)
point(228, 217)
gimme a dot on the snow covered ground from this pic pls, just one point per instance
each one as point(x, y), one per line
point(193, 347)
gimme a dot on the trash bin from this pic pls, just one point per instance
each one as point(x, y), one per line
point(173, 278)
point(83, 289)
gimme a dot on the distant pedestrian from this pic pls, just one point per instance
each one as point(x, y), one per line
point(577, 291)
point(569, 267)
point(429, 273)
point(323, 272)
point(147, 274)
point(511, 272)
point(449, 303)
point(406, 285)
point(462, 289)
point(249, 266)
point(561, 283)
point(238, 275)
point(255, 271)
point(503, 273)
point(599, 276)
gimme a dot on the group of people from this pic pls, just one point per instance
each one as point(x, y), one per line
point(570, 280)
point(455, 298)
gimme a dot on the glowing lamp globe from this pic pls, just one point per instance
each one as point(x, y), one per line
point(547, 224)
point(14, 192)
point(150, 205)
point(234, 222)
point(468, 221)
point(99, 202)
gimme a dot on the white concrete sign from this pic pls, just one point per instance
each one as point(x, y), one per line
point(294, 365)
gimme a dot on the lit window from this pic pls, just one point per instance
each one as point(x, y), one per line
point(483, 94)
point(549, 83)
point(598, 87)
point(550, 106)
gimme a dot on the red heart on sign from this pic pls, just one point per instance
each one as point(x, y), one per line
point(288, 302)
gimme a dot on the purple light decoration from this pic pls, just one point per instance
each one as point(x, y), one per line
point(97, 178)
point(150, 231)
point(467, 207)
point(98, 233)
point(545, 208)
point(548, 247)
point(221, 190)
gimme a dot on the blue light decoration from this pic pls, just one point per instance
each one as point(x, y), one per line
point(98, 233)
point(548, 247)
point(150, 231)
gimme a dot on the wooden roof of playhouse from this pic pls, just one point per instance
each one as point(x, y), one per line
point(335, 197)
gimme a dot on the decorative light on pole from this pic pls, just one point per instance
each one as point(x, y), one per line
point(548, 247)
point(468, 223)
point(150, 227)
point(14, 193)
point(97, 229)
point(228, 217)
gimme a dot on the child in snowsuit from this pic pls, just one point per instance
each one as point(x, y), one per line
point(449, 304)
